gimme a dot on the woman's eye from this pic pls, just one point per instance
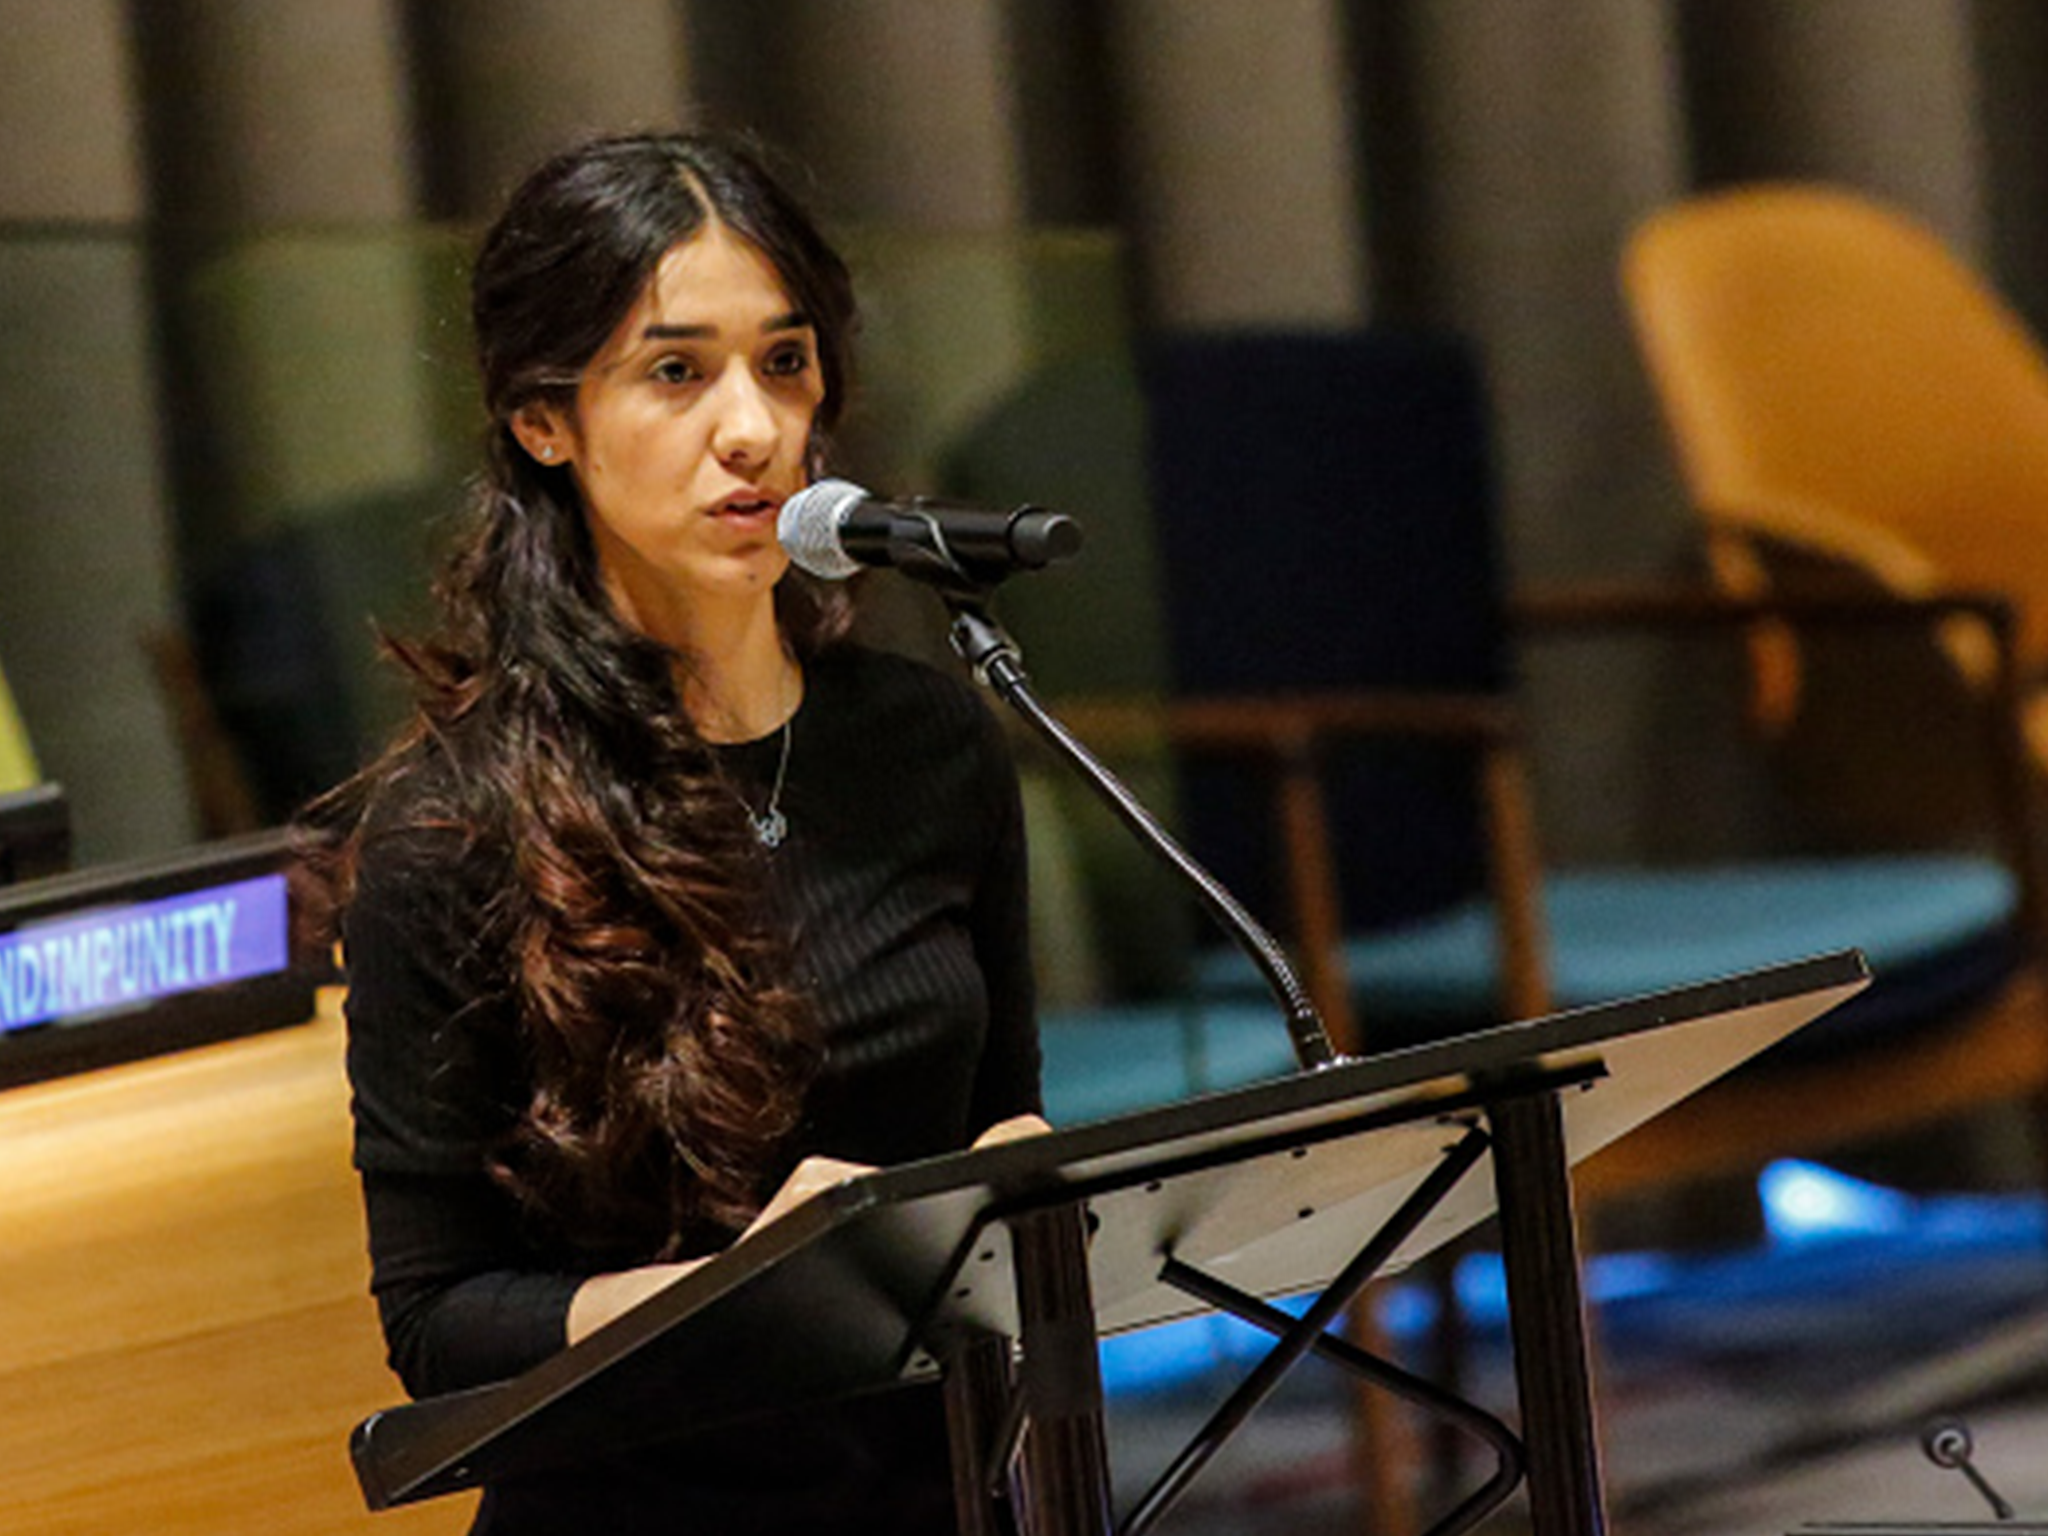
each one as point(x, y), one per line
point(789, 362)
point(674, 370)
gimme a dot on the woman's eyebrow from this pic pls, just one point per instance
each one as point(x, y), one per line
point(795, 320)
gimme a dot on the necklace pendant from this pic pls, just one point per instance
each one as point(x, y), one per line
point(770, 828)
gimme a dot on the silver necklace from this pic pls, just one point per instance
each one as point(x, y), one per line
point(770, 825)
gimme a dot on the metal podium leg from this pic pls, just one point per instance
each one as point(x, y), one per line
point(1065, 1481)
point(978, 1401)
point(1539, 1250)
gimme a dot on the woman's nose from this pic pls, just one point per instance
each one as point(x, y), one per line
point(746, 430)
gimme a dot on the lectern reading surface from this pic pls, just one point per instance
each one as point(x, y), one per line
point(1272, 1190)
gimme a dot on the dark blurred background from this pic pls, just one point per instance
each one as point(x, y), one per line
point(233, 372)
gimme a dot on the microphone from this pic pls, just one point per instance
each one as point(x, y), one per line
point(833, 528)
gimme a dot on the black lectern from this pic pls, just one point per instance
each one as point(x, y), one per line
point(998, 1269)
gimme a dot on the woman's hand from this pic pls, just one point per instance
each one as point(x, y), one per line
point(603, 1297)
point(1016, 1128)
point(812, 1176)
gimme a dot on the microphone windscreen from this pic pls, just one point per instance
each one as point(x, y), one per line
point(808, 528)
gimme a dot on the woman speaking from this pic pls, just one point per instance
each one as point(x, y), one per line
point(670, 905)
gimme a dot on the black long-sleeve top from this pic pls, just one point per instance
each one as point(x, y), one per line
point(901, 887)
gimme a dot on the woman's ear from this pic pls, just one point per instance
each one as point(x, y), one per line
point(543, 434)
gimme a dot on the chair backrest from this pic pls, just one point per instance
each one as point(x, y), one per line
point(1325, 515)
point(1070, 436)
point(17, 761)
point(35, 833)
point(1835, 379)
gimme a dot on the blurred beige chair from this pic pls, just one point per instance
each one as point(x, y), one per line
point(17, 759)
point(1862, 427)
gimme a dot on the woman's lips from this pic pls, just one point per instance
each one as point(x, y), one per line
point(748, 507)
point(749, 517)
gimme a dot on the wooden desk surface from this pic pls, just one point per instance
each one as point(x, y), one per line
point(188, 1335)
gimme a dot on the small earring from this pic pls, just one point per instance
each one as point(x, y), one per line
point(548, 453)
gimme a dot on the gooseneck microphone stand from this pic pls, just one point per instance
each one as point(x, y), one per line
point(984, 645)
point(966, 587)
point(993, 656)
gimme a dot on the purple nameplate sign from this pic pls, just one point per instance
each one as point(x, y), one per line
point(122, 957)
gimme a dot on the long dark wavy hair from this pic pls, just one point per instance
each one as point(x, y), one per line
point(667, 1053)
